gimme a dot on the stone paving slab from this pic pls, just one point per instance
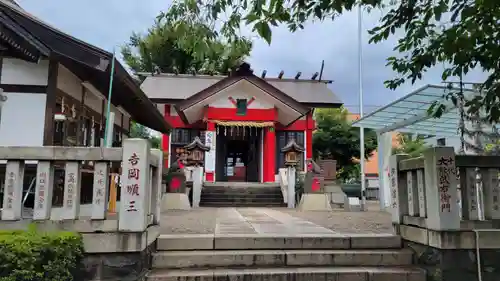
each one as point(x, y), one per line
point(272, 221)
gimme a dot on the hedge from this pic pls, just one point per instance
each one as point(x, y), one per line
point(36, 256)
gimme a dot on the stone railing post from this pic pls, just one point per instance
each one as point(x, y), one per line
point(156, 188)
point(13, 191)
point(491, 191)
point(197, 185)
point(399, 192)
point(441, 189)
point(134, 205)
point(291, 174)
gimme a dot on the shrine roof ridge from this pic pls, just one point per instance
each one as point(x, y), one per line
point(219, 76)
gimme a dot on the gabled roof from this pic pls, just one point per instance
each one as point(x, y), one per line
point(172, 88)
point(243, 72)
point(91, 64)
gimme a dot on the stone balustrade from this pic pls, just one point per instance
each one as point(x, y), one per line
point(446, 207)
point(441, 199)
point(114, 242)
point(140, 189)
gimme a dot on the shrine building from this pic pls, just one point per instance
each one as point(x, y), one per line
point(245, 119)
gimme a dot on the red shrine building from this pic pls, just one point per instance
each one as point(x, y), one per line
point(244, 119)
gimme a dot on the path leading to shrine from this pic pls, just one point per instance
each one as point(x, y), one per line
point(274, 221)
point(280, 244)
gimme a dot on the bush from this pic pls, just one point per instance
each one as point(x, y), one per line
point(35, 256)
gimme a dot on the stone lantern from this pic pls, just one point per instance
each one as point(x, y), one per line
point(195, 152)
point(293, 153)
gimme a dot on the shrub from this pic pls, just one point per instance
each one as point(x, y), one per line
point(36, 256)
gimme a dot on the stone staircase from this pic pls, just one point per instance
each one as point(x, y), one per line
point(241, 194)
point(248, 257)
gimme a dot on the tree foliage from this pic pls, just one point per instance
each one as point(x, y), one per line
point(184, 45)
point(458, 34)
point(139, 131)
point(411, 145)
point(336, 138)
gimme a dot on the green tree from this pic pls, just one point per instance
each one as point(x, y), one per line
point(458, 34)
point(139, 131)
point(165, 48)
point(336, 138)
point(413, 146)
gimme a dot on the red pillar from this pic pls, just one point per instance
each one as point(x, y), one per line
point(165, 138)
point(309, 135)
point(269, 154)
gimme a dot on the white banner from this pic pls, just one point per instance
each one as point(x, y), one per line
point(210, 155)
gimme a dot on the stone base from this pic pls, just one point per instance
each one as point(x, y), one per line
point(314, 202)
point(353, 204)
point(175, 201)
point(337, 196)
point(117, 266)
point(453, 265)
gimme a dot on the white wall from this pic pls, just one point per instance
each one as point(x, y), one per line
point(22, 119)
point(22, 115)
point(19, 72)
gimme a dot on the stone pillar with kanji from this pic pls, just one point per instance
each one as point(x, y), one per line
point(441, 189)
point(314, 197)
point(135, 189)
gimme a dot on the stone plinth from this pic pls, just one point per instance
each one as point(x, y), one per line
point(315, 202)
point(337, 196)
point(175, 201)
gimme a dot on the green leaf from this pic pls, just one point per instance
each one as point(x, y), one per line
point(264, 31)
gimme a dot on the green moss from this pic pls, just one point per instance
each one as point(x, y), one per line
point(37, 256)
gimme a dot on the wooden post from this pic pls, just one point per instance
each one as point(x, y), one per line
point(441, 189)
point(399, 192)
point(100, 190)
point(135, 182)
point(13, 191)
point(113, 194)
point(44, 190)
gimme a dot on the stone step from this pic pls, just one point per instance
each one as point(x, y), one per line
point(277, 241)
point(221, 203)
point(248, 199)
point(225, 190)
point(289, 274)
point(280, 258)
point(241, 196)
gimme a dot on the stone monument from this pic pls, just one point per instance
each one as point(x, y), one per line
point(176, 197)
point(337, 197)
point(314, 198)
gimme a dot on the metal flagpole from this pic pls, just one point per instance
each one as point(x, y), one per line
point(361, 129)
point(108, 108)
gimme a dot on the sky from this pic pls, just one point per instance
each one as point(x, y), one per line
point(108, 24)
